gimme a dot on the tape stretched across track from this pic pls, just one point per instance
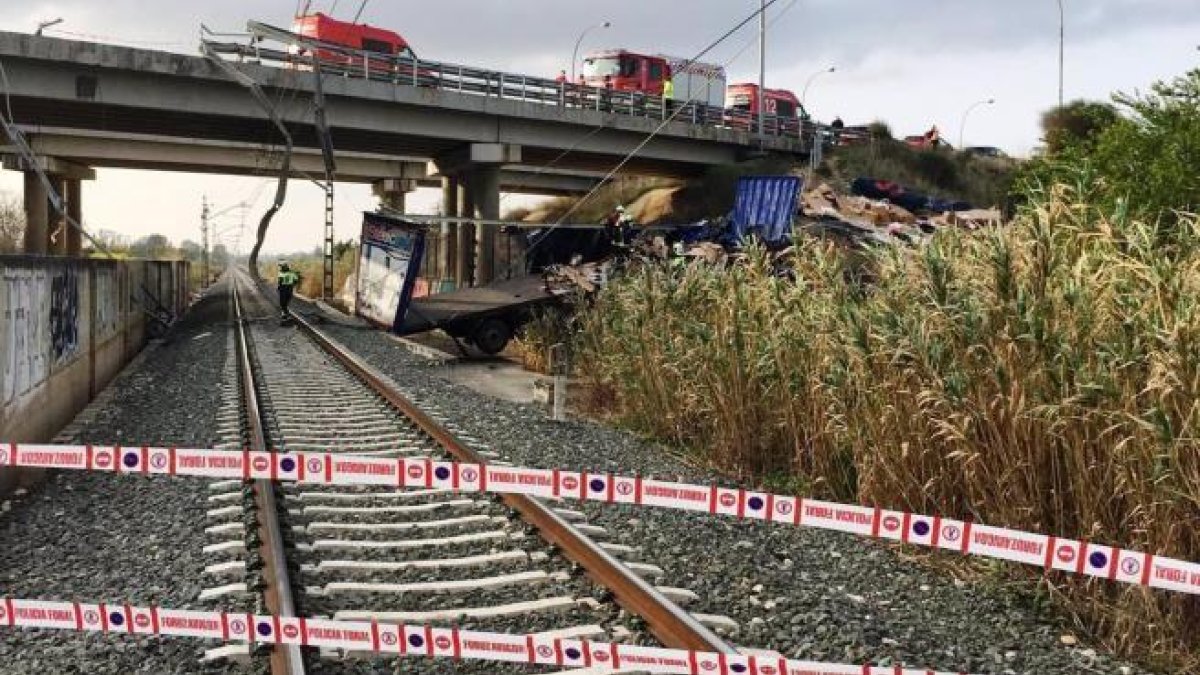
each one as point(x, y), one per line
point(1047, 551)
point(408, 640)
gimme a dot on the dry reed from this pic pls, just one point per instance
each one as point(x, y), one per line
point(1041, 376)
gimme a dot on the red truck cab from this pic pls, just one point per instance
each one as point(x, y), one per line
point(627, 71)
point(357, 36)
point(741, 100)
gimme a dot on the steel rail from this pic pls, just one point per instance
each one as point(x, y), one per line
point(672, 625)
point(285, 659)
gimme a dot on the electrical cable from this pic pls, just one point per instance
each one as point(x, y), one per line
point(360, 10)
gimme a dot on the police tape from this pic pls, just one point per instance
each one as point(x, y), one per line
point(965, 537)
point(409, 640)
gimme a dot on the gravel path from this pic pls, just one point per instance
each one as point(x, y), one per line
point(810, 594)
point(99, 537)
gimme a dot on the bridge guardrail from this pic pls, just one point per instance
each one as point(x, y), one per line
point(398, 70)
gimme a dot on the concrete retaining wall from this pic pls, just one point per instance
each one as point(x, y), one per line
point(67, 327)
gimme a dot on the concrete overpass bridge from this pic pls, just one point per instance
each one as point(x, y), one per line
point(474, 133)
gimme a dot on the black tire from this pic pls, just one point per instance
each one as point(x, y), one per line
point(491, 336)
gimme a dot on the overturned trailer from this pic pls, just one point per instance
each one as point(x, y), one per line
point(390, 255)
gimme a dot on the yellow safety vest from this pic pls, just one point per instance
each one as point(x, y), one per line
point(288, 278)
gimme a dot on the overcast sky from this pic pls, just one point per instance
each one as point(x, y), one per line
point(911, 64)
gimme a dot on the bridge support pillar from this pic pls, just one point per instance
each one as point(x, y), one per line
point(476, 170)
point(75, 211)
point(37, 208)
point(47, 232)
point(56, 223)
point(464, 263)
point(483, 182)
point(391, 192)
point(449, 250)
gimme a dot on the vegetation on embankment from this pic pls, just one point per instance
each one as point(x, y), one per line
point(1042, 376)
point(985, 182)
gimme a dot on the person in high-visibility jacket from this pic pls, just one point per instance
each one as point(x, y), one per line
point(286, 287)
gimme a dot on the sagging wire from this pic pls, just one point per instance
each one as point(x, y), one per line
point(8, 121)
point(264, 101)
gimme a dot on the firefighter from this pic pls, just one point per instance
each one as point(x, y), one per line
point(286, 287)
point(619, 226)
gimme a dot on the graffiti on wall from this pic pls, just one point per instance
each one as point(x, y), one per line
point(64, 313)
point(108, 303)
point(24, 350)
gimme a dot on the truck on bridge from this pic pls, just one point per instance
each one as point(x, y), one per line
point(631, 71)
point(358, 36)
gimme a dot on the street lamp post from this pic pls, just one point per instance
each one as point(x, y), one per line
point(43, 25)
point(575, 54)
point(808, 83)
point(963, 127)
point(1062, 34)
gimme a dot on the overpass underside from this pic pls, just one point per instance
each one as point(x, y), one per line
point(83, 105)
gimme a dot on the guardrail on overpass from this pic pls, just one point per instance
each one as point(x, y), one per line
point(404, 71)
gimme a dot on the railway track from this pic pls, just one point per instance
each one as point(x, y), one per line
point(512, 564)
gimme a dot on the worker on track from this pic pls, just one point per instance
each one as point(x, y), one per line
point(668, 95)
point(286, 287)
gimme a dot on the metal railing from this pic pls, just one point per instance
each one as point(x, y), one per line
point(406, 71)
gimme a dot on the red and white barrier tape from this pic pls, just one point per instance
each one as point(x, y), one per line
point(405, 640)
point(1052, 553)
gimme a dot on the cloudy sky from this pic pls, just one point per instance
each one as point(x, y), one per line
point(912, 64)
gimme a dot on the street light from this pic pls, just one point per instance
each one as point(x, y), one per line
point(962, 127)
point(807, 84)
point(43, 25)
point(1062, 32)
point(575, 54)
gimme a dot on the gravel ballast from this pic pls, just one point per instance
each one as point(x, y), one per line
point(105, 538)
point(810, 594)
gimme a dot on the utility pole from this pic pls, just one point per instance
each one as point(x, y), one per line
point(204, 238)
point(762, 66)
point(1062, 39)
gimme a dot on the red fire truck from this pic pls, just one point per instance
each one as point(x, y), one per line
point(703, 83)
point(358, 36)
point(741, 104)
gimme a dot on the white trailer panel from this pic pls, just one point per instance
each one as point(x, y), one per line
point(702, 82)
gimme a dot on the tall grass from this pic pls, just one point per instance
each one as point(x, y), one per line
point(1042, 376)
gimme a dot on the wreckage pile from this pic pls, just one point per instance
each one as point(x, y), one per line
point(857, 220)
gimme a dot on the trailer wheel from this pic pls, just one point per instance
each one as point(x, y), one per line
point(491, 336)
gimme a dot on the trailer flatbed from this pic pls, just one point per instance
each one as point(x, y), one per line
point(487, 316)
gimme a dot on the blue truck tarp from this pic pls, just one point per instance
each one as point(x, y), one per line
point(764, 207)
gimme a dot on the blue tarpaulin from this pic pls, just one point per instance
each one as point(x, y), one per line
point(764, 207)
